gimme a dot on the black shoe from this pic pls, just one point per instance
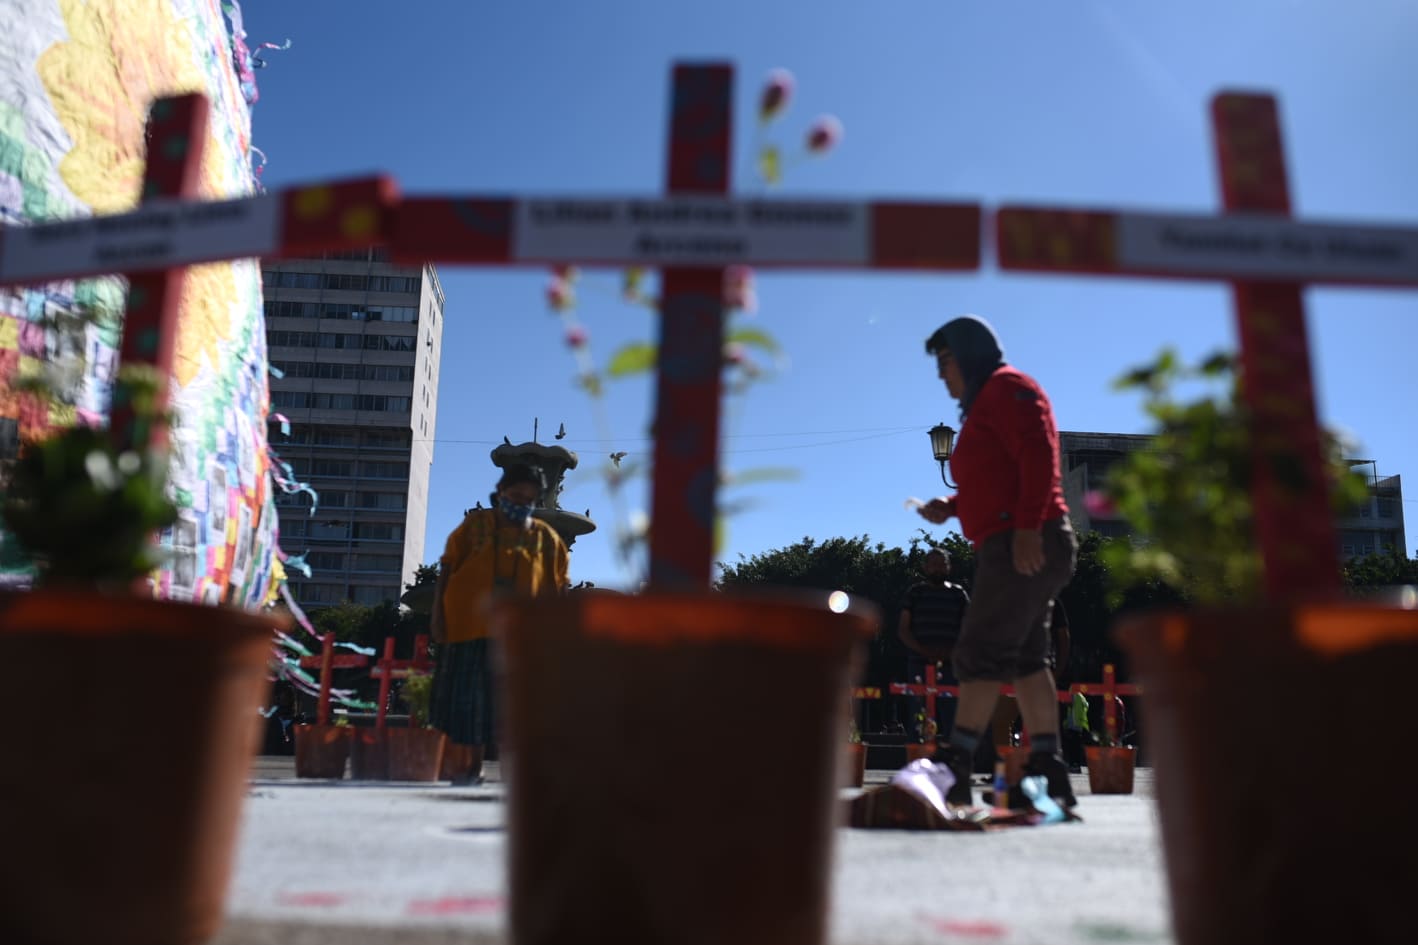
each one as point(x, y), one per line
point(1052, 768)
point(960, 763)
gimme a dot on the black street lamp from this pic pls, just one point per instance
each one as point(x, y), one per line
point(942, 444)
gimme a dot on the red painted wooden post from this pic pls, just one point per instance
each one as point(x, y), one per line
point(385, 677)
point(1293, 521)
point(691, 365)
point(1110, 704)
point(928, 689)
point(327, 670)
point(177, 133)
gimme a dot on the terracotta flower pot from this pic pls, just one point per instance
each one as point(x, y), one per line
point(918, 750)
point(855, 764)
point(457, 760)
point(120, 798)
point(415, 754)
point(1110, 769)
point(369, 755)
point(321, 751)
point(623, 825)
point(1015, 757)
point(1275, 735)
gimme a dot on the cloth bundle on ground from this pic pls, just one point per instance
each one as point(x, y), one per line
point(915, 800)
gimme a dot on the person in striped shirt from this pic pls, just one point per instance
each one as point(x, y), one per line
point(931, 614)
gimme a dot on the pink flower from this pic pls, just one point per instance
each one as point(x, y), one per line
point(576, 337)
point(738, 288)
point(560, 295)
point(735, 353)
point(1099, 504)
point(824, 134)
point(776, 93)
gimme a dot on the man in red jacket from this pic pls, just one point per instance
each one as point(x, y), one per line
point(1011, 508)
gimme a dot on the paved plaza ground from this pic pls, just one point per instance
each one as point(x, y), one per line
point(360, 863)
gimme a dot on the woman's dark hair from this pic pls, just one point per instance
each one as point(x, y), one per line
point(975, 347)
point(521, 472)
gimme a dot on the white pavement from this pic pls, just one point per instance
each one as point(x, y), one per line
point(378, 864)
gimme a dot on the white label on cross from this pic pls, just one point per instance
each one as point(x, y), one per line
point(1266, 247)
point(693, 231)
point(158, 235)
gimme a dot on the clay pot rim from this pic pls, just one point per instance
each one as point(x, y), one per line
point(91, 613)
point(783, 617)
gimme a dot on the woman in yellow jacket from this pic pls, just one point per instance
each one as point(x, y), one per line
point(501, 551)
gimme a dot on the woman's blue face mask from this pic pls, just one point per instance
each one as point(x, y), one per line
point(515, 511)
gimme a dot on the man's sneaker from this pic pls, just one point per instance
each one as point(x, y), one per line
point(960, 764)
point(1052, 768)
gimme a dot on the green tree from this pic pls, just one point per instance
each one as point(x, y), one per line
point(1381, 570)
point(345, 620)
point(862, 569)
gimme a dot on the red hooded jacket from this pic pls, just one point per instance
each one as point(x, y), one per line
point(1006, 459)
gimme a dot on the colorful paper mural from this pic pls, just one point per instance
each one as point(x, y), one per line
point(76, 80)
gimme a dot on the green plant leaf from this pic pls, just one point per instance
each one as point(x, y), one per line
point(635, 358)
point(754, 338)
point(763, 474)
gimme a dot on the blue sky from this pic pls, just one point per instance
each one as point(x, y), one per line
point(1090, 103)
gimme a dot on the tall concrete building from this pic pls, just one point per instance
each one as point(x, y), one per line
point(1376, 526)
point(354, 343)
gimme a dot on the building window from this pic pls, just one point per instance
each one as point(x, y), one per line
point(346, 282)
point(326, 560)
point(295, 280)
point(1387, 508)
point(383, 500)
point(388, 343)
point(384, 470)
point(364, 594)
point(284, 309)
point(402, 284)
point(378, 563)
point(379, 531)
point(396, 440)
point(309, 592)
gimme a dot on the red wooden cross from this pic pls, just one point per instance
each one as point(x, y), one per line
point(929, 689)
point(388, 669)
point(328, 663)
point(1267, 258)
point(1110, 691)
point(177, 134)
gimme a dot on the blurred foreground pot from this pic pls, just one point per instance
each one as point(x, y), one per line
point(641, 806)
point(119, 804)
point(1281, 789)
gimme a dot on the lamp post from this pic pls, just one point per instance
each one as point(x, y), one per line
point(942, 444)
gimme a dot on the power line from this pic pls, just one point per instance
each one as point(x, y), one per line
point(872, 433)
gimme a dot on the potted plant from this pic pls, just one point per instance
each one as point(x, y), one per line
point(925, 744)
point(1248, 778)
point(321, 751)
point(415, 753)
point(125, 794)
point(856, 759)
point(627, 818)
point(1111, 764)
